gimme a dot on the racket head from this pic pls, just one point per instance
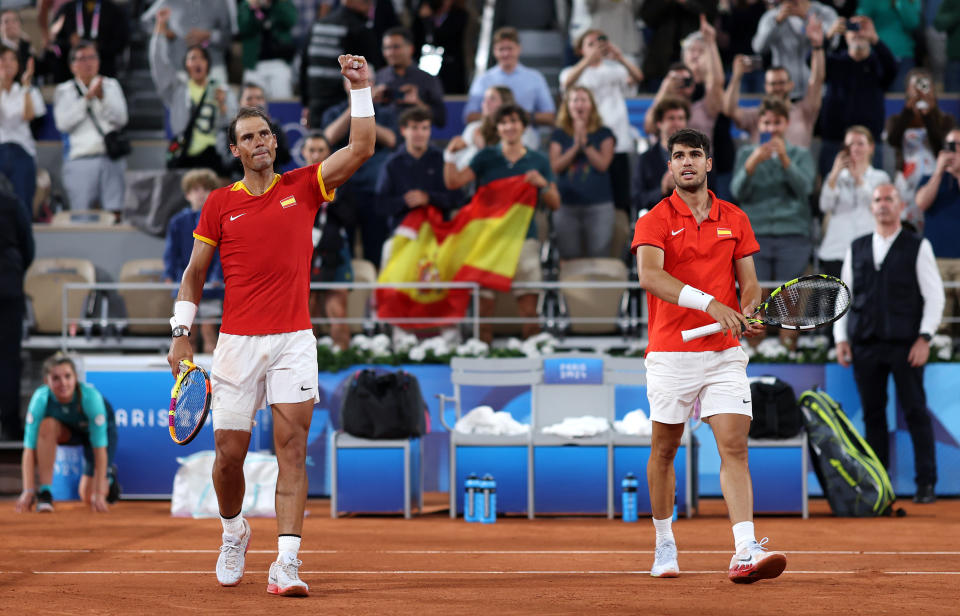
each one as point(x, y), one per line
point(806, 303)
point(189, 403)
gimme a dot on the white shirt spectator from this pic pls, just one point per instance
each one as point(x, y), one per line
point(13, 128)
point(609, 84)
point(71, 117)
point(849, 209)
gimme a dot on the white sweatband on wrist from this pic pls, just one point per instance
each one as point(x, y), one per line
point(694, 298)
point(361, 103)
point(184, 312)
point(449, 157)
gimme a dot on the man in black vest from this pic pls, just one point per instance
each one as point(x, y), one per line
point(897, 306)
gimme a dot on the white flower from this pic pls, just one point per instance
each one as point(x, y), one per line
point(748, 349)
point(403, 341)
point(941, 340)
point(812, 342)
point(832, 354)
point(771, 348)
point(418, 353)
point(944, 353)
point(514, 344)
point(380, 346)
point(547, 349)
point(473, 348)
point(326, 341)
point(361, 342)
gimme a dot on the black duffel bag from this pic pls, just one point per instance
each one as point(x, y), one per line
point(775, 410)
point(383, 406)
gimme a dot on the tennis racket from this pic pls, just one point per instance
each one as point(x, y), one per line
point(189, 402)
point(803, 303)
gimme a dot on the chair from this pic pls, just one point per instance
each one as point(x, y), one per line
point(83, 217)
point(44, 285)
point(358, 300)
point(621, 234)
point(364, 475)
point(586, 302)
point(146, 303)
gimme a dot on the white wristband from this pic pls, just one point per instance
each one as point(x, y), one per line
point(183, 313)
point(361, 103)
point(449, 157)
point(694, 298)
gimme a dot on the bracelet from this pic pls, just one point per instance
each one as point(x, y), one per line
point(361, 103)
point(183, 314)
point(694, 298)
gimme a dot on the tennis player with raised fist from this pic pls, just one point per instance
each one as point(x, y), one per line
point(266, 353)
point(692, 249)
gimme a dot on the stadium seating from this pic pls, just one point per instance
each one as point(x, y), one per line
point(593, 303)
point(145, 303)
point(83, 217)
point(43, 284)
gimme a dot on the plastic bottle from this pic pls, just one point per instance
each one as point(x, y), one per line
point(674, 505)
point(629, 495)
point(472, 485)
point(488, 512)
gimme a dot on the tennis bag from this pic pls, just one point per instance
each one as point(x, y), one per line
point(383, 406)
point(852, 477)
point(775, 411)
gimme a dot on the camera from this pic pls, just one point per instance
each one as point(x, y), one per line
point(687, 82)
point(923, 85)
point(755, 63)
point(853, 26)
point(602, 38)
point(950, 146)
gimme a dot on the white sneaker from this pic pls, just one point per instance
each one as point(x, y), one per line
point(233, 553)
point(754, 563)
point(665, 561)
point(285, 577)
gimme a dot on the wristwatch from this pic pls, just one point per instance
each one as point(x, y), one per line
point(178, 330)
point(926, 336)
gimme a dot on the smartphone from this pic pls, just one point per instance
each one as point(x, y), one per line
point(602, 38)
point(923, 85)
point(765, 137)
point(755, 62)
point(853, 26)
point(687, 82)
point(950, 146)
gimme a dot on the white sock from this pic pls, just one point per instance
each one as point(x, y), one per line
point(743, 534)
point(233, 526)
point(664, 530)
point(288, 543)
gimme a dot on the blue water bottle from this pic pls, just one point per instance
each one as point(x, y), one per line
point(489, 491)
point(629, 486)
point(674, 505)
point(472, 485)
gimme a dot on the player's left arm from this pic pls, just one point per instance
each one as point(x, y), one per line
point(96, 412)
point(746, 273)
point(338, 168)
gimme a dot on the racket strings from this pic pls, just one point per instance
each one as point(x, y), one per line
point(191, 401)
point(808, 303)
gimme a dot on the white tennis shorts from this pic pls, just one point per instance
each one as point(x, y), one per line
point(249, 372)
point(675, 380)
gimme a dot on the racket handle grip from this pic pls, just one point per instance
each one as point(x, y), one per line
point(700, 332)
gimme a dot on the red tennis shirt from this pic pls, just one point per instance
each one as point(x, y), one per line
point(701, 256)
point(265, 246)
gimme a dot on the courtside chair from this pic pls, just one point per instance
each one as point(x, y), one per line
point(376, 475)
point(44, 285)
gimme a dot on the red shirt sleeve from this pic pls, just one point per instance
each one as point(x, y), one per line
point(208, 228)
point(746, 241)
point(651, 230)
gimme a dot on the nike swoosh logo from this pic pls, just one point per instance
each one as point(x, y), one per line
point(675, 232)
point(746, 402)
point(302, 388)
point(232, 218)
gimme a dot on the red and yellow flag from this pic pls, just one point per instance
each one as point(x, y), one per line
point(481, 244)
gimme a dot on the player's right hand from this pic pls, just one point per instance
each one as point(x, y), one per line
point(732, 321)
point(25, 502)
point(180, 349)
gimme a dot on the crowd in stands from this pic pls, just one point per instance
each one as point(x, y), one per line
point(805, 159)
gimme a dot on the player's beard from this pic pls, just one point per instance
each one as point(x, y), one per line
point(692, 184)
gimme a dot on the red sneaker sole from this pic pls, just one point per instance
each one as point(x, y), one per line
point(291, 591)
point(768, 568)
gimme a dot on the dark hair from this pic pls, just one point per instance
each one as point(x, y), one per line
point(417, 113)
point(775, 105)
point(203, 51)
point(400, 31)
point(506, 33)
point(244, 113)
point(509, 110)
point(669, 103)
point(4, 49)
point(316, 134)
point(679, 66)
point(252, 84)
point(80, 46)
point(689, 137)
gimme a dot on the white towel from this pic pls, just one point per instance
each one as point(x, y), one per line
point(572, 427)
point(635, 422)
point(483, 420)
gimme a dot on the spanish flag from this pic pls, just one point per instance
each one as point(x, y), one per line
point(481, 244)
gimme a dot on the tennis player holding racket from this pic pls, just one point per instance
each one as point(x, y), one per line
point(692, 249)
point(266, 351)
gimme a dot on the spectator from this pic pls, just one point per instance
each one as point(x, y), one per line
point(782, 32)
point(84, 109)
point(506, 159)
point(939, 199)
point(948, 21)
point(16, 254)
point(20, 103)
point(483, 132)
point(616, 18)
point(610, 77)
point(845, 196)
point(12, 36)
point(197, 186)
point(856, 81)
point(738, 23)
point(358, 193)
point(581, 150)
point(412, 176)
point(252, 95)
point(777, 82)
point(264, 27)
point(528, 85)
point(103, 22)
point(888, 267)
point(897, 22)
point(671, 21)
point(443, 23)
point(331, 260)
point(772, 182)
point(654, 180)
point(934, 43)
point(917, 134)
point(190, 23)
point(344, 28)
point(200, 107)
point(65, 411)
point(404, 85)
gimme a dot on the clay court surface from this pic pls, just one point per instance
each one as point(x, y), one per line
point(139, 560)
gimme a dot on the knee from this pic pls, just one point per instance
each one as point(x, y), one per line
point(664, 453)
point(49, 428)
point(292, 449)
point(733, 449)
point(229, 458)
